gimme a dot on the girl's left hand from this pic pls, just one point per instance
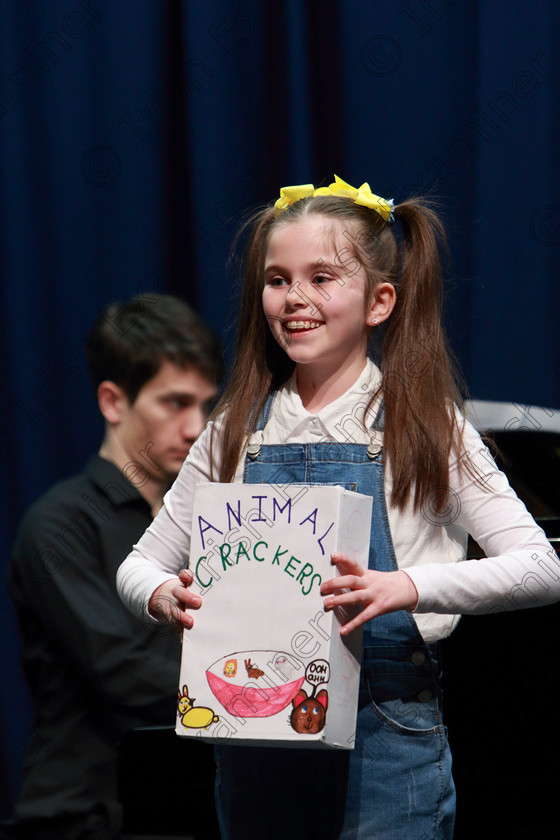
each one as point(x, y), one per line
point(376, 592)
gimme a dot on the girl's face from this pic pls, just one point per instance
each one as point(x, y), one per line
point(315, 294)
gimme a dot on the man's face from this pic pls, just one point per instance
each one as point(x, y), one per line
point(167, 416)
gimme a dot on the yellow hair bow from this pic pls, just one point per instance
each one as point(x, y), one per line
point(362, 195)
point(289, 195)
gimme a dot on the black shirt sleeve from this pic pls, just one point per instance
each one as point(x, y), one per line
point(63, 581)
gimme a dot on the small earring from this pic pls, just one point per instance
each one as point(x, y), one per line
point(374, 322)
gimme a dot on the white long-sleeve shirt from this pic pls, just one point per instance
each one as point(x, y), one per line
point(521, 568)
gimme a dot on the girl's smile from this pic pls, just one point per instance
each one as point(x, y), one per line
point(301, 324)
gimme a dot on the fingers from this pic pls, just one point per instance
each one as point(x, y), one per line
point(373, 593)
point(348, 589)
point(353, 609)
point(350, 572)
point(357, 621)
point(186, 600)
point(170, 601)
point(184, 595)
point(347, 565)
point(352, 575)
point(344, 582)
point(354, 597)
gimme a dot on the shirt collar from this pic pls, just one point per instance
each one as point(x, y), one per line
point(295, 417)
point(112, 482)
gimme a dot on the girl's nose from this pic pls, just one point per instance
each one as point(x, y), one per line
point(295, 298)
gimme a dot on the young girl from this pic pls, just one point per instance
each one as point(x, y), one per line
point(325, 280)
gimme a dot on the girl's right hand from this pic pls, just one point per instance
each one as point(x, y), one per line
point(170, 600)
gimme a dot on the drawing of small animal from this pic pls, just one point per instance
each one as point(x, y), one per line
point(230, 668)
point(309, 713)
point(286, 667)
point(194, 717)
point(253, 671)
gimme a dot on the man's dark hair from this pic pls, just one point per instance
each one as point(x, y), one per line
point(129, 342)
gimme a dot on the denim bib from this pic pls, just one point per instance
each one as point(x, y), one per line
point(396, 662)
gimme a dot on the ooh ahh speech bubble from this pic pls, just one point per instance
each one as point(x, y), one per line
point(318, 672)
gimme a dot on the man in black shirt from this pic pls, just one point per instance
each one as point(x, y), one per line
point(94, 670)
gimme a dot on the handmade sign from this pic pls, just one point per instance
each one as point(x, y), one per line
point(264, 661)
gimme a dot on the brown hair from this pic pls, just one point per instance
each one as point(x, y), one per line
point(418, 381)
point(130, 340)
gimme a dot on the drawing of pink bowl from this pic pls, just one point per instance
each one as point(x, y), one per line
point(256, 683)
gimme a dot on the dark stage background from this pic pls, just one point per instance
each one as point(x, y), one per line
point(135, 134)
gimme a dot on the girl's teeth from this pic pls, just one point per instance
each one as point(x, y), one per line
point(301, 325)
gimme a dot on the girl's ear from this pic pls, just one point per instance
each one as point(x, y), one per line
point(382, 304)
point(112, 401)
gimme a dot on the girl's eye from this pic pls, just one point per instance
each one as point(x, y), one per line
point(321, 278)
point(276, 281)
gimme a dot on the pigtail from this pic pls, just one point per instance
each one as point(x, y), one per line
point(260, 364)
point(419, 383)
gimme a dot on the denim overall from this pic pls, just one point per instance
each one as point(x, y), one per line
point(397, 779)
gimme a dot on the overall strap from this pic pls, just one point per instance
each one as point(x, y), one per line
point(265, 413)
point(379, 421)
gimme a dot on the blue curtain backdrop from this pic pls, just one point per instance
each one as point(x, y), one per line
point(135, 135)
